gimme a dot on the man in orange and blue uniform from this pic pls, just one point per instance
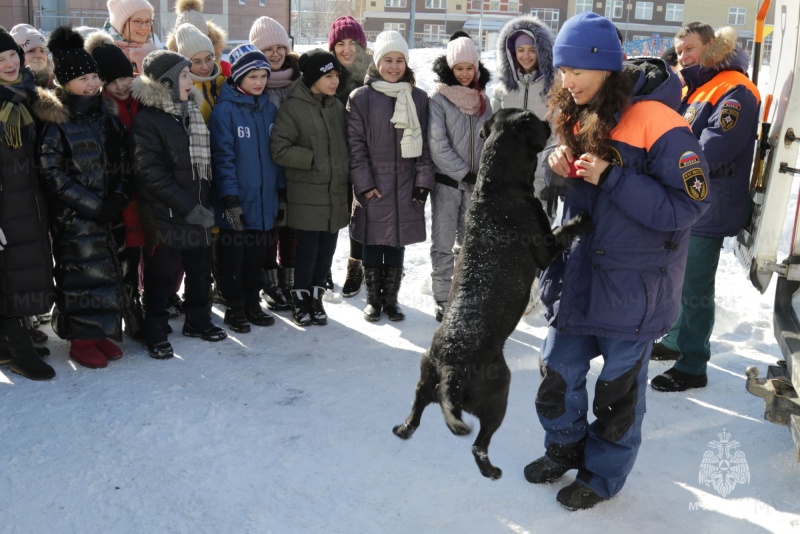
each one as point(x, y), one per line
point(721, 105)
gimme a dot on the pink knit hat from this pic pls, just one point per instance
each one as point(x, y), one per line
point(27, 37)
point(119, 11)
point(266, 32)
point(462, 50)
point(346, 27)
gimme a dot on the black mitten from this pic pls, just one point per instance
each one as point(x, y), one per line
point(233, 212)
point(420, 194)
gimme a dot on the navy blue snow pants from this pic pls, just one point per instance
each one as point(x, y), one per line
point(605, 450)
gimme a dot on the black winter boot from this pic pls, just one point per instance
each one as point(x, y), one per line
point(286, 275)
point(257, 316)
point(318, 315)
point(373, 276)
point(329, 280)
point(354, 279)
point(24, 360)
point(274, 294)
point(301, 307)
point(544, 471)
point(198, 323)
point(236, 319)
point(390, 287)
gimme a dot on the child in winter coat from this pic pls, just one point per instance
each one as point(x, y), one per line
point(391, 170)
point(116, 73)
point(130, 24)
point(309, 140)
point(457, 110)
point(26, 273)
point(205, 71)
point(269, 36)
point(348, 42)
point(246, 183)
point(172, 159)
point(84, 163)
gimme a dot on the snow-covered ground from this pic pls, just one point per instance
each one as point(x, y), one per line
point(288, 430)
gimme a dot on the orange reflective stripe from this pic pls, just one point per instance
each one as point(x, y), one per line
point(646, 122)
point(719, 85)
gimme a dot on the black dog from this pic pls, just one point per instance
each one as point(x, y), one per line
point(508, 237)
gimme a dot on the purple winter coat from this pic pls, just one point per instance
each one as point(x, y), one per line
point(375, 162)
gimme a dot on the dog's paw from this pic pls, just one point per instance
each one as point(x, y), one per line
point(459, 427)
point(485, 466)
point(404, 431)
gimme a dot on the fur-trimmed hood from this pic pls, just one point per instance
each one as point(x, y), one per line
point(152, 93)
point(444, 74)
point(543, 39)
point(725, 53)
point(47, 107)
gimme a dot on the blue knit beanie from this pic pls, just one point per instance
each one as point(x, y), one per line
point(246, 58)
point(588, 41)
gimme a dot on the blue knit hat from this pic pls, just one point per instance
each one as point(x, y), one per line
point(588, 41)
point(245, 58)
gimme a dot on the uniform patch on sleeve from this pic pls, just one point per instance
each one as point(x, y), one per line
point(695, 183)
point(690, 114)
point(729, 114)
point(688, 159)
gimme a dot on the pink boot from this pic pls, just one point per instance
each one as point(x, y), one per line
point(109, 349)
point(84, 352)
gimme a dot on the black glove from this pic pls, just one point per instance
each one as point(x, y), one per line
point(200, 216)
point(280, 219)
point(111, 209)
point(420, 194)
point(233, 212)
point(470, 178)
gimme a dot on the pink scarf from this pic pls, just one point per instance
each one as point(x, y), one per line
point(468, 101)
point(281, 78)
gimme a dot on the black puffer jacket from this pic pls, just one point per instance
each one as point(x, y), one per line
point(84, 161)
point(165, 186)
point(26, 265)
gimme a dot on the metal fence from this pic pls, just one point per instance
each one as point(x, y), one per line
point(421, 40)
point(47, 20)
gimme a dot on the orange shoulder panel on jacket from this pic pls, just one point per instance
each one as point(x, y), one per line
point(720, 85)
point(646, 122)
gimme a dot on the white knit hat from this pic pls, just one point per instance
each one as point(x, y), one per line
point(27, 37)
point(389, 41)
point(267, 32)
point(191, 41)
point(191, 12)
point(119, 11)
point(462, 50)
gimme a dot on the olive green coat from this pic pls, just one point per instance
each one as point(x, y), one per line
point(309, 139)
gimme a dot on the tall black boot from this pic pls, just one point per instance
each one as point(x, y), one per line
point(301, 307)
point(274, 294)
point(354, 279)
point(286, 275)
point(392, 277)
point(318, 315)
point(24, 360)
point(373, 277)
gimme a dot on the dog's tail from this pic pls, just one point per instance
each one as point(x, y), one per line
point(450, 395)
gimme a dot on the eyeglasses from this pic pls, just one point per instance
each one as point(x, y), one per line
point(204, 62)
point(274, 50)
point(137, 23)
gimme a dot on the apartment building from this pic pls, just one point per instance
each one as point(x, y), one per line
point(235, 16)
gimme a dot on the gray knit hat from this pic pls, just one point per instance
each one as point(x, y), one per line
point(165, 67)
point(191, 41)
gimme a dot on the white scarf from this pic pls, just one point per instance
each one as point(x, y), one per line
point(405, 116)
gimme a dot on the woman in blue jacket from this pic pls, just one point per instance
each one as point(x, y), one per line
point(246, 183)
point(638, 171)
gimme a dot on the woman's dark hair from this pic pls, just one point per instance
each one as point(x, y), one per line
point(586, 128)
point(408, 75)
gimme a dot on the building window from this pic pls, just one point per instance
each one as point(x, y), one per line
point(433, 31)
point(548, 16)
point(674, 13)
point(395, 3)
point(242, 2)
point(399, 27)
point(614, 9)
point(583, 5)
point(262, 3)
point(737, 16)
point(644, 10)
point(434, 4)
point(513, 6)
point(494, 5)
point(476, 5)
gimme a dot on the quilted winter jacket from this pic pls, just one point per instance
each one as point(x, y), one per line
point(375, 163)
point(721, 105)
point(453, 136)
point(84, 159)
point(26, 264)
point(240, 153)
point(623, 279)
point(309, 140)
point(165, 185)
